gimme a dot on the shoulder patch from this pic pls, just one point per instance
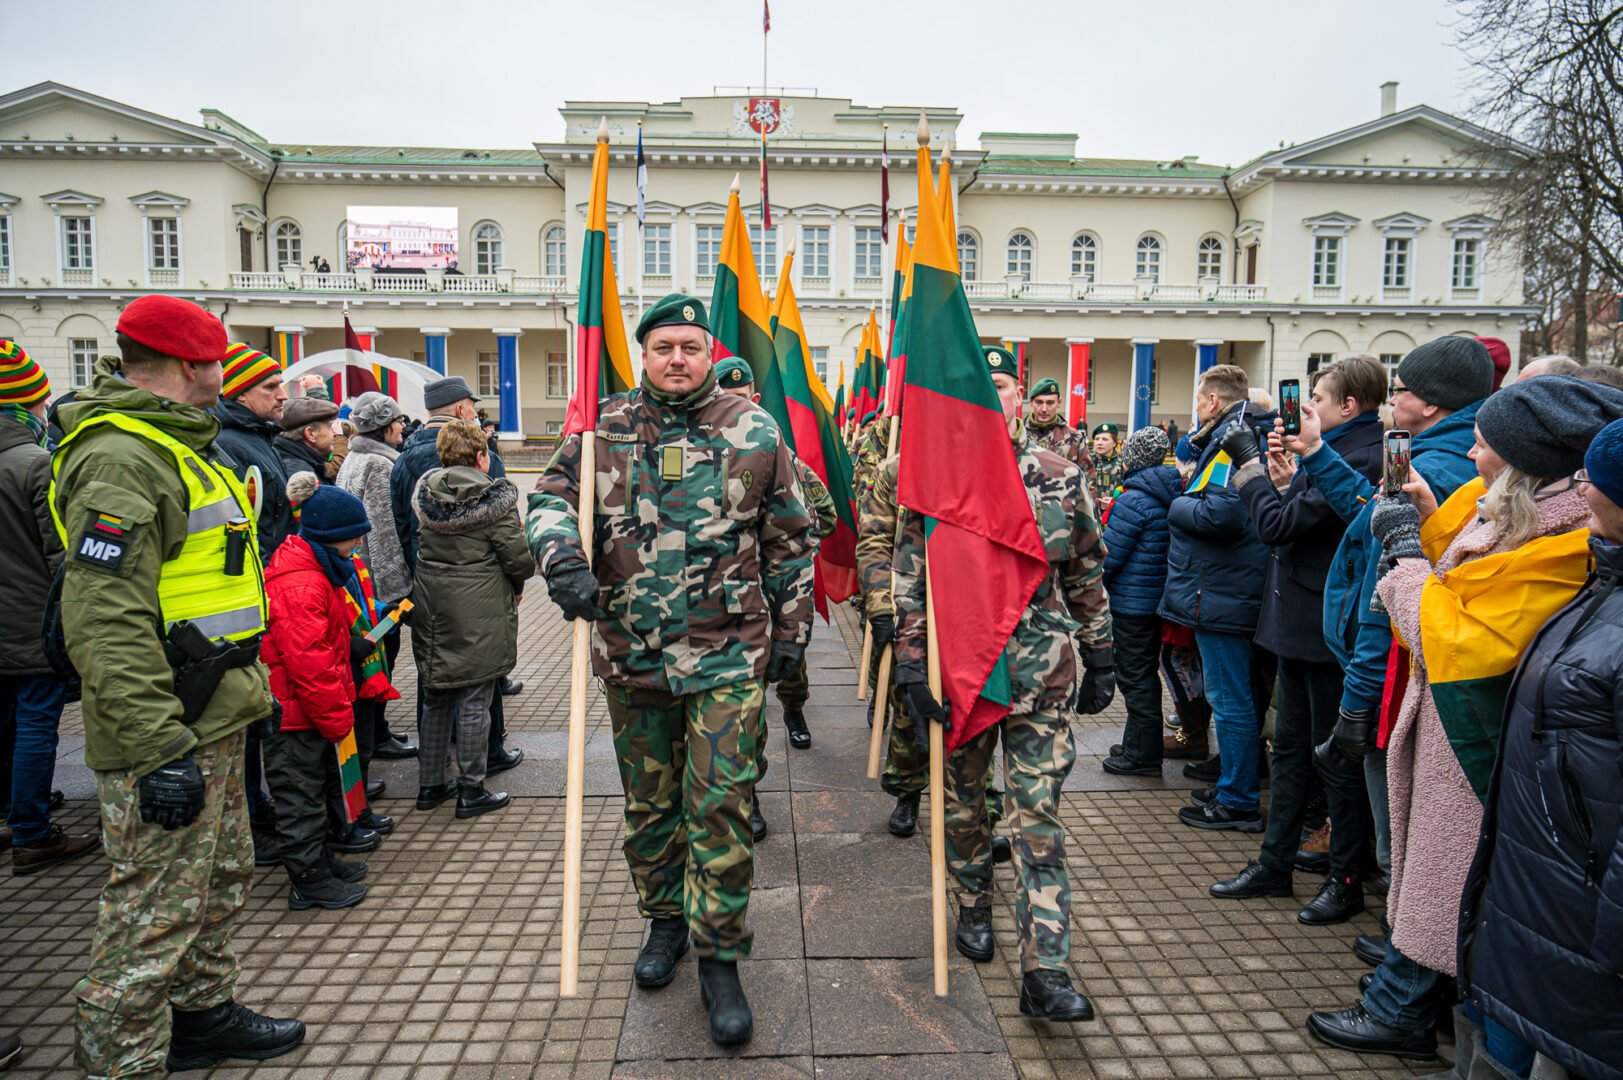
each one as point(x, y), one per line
point(105, 542)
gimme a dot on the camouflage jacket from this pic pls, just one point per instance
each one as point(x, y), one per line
point(1068, 611)
point(703, 541)
point(1106, 475)
point(871, 446)
point(818, 500)
point(1066, 441)
point(876, 539)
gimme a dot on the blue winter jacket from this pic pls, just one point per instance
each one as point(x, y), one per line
point(1360, 638)
point(1136, 540)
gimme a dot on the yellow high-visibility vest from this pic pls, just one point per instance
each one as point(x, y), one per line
point(194, 585)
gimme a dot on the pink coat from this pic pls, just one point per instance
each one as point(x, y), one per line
point(1436, 816)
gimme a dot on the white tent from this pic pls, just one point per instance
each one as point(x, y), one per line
point(412, 376)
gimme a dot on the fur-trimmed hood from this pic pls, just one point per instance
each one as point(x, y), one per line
point(461, 499)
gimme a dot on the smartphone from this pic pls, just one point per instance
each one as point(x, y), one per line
point(1290, 405)
point(1396, 463)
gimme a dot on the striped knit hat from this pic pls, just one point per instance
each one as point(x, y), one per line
point(245, 367)
point(22, 381)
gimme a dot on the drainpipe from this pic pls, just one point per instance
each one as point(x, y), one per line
point(264, 206)
point(1234, 268)
point(1270, 350)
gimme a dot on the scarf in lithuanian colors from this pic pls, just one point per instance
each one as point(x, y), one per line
point(374, 683)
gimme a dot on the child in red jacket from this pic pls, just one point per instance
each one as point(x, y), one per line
point(307, 644)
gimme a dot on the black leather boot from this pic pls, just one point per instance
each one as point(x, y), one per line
point(1339, 899)
point(757, 820)
point(1254, 881)
point(502, 760)
point(229, 1030)
point(667, 943)
point(473, 801)
point(904, 820)
point(731, 1022)
point(345, 871)
point(1050, 995)
point(1370, 948)
point(321, 889)
point(430, 797)
point(975, 933)
point(1356, 1030)
point(795, 721)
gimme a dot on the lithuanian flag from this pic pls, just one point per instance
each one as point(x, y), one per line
point(865, 381)
point(839, 399)
point(959, 470)
point(896, 360)
point(740, 320)
point(350, 780)
point(602, 360)
point(810, 426)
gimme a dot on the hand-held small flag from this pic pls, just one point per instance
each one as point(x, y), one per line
point(350, 780)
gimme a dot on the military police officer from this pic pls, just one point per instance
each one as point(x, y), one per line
point(162, 609)
point(1047, 429)
point(701, 587)
point(1059, 659)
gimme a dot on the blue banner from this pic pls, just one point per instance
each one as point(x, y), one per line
point(1143, 382)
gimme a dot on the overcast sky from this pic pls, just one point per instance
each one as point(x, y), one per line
point(1157, 79)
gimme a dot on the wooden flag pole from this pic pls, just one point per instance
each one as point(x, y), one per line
point(867, 659)
point(938, 797)
point(875, 736)
point(575, 784)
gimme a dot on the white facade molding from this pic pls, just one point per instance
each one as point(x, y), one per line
point(1331, 224)
point(1402, 225)
point(1470, 227)
point(58, 201)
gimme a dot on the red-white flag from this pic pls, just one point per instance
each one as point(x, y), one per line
point(884, 188)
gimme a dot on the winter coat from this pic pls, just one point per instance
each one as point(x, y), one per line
point(1359, 638)
point(1136, 540)
point(1541, 924)
point(472, 560)
point(250, 442)
point(1216, 562)
point(299, 457)
point(1302, 533)
point(418, 456)
point(365, 475)
point(30, 551)
point(306, 643)
point(1435, 814)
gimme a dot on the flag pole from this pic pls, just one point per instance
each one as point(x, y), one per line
point(882, 681)
point(642, 245)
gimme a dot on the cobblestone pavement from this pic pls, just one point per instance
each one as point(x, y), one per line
point(449, 968)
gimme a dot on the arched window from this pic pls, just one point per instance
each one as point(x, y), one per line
point(1085, 256)
point(289, 244)
point(553, 251)
point(969, 256)
point(1148, 263)
point(487, 247)
point(1209, 259)
point(1022, 255)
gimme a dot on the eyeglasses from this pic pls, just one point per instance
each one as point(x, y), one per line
point(1581, 476)
point(1396, 390)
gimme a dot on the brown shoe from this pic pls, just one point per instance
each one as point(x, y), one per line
point(56, 847)
point(1184, 744)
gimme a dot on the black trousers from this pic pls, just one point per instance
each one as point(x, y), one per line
point(391, 653)
point(1309, 702)
point(1138, 677)
point(297, 767)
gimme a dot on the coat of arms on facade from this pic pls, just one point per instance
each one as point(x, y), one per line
point(763, 116)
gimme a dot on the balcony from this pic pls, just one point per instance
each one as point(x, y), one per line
point(431, 282)
point(1113, 294)
point(1081, 289)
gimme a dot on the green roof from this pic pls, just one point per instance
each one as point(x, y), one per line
point(1042, 165)
point(293, 153)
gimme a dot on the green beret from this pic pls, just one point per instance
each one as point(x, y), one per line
point(869, 415)
point(999, 359)
point(1113, 429)
point(676, 309)
point(1045, 386)
point(734, 371)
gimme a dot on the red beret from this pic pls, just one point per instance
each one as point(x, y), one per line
point(175, 327)
point(1501, 358)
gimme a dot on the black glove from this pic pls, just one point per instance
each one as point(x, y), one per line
point(922, 704)
point(1240, 444)
point(172, 794)
point(359, 648)
point(575, 591)
point(1349, 741)
point(785, 660)
point(884, 631)
point(1098, 686)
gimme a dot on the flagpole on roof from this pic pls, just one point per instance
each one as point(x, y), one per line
point(642, 246)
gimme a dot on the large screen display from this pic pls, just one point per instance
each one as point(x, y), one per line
point(401, 237)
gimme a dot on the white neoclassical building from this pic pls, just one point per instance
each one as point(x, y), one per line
point(1117, 277)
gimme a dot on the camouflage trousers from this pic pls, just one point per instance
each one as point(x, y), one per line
point(1038, 753)
point(163, 928)
point(794, 691)
point(688, 769)
point(907, 765)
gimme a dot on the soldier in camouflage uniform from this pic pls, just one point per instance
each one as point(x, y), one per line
point(1059, 660)
point(1047, 429)
point(1106, 458)
point(701, 588)
point(872, 445)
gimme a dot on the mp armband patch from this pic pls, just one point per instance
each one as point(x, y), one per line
point(105, 543)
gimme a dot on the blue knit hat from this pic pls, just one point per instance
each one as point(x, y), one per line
point(1604, 461)
point(332, 515)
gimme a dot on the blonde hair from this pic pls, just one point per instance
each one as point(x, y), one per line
point(460, 442)
point(1262, 399)
point(1228, 381)
point(1511, 503)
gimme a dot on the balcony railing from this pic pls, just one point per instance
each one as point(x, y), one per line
point(326, 283)
point(1177, 294)
point(545, 283)
point(1047, 290)
point(986, 290)
point(401, 283)
point(1113, 294)
point(480, 283)
point(1240, 294)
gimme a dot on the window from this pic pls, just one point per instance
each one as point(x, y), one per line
point(163, 243)
point(870, 253)
point(487, 248)
point(553, 252)
point(78, 243)
point(707, 244)
point(1021, 255)
point(555, 428)
point(1390, 361)
point(1464, 276)
point(1395, 263)
point(819, 355)
point(969, 250)
point(814, 251)
point(1085, 257)
point(82, 352)
point(1147, 263)
point(1318, 361)
point(614, 244)
point(419, 356)
point(1209, 260)
point(5, 248)
point(1327, 262)
point(289, 245)
point(557, 375)
point(656, 250)
point(765, 243)
point(490, 379)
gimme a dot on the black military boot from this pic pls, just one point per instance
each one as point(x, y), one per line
point(795, 721)
point(430, 797)
point(975, 933)
point(667, 943)
point(730, 1020)
point(345, 871)
point(199, 1039)
point(473, 801)
point(321, 889)
point(382, 824)
point(1050, 995)
point(904, 820)
point(757, 820)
